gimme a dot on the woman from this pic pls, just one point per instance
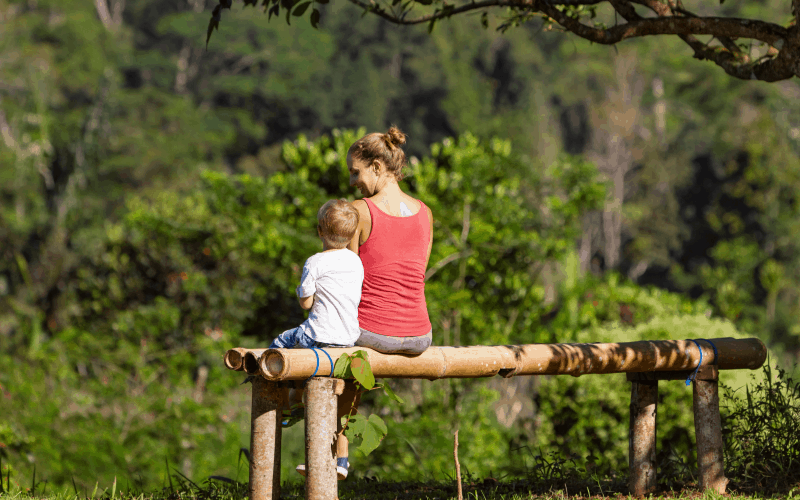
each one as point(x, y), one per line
point(393, 239)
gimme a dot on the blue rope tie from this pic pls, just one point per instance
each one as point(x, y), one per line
point(694, 374)
point(314, 349)
point(716, 358)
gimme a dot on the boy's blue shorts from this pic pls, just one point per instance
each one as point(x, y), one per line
point(297, 338)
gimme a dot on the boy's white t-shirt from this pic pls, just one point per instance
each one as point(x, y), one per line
point(335, 277)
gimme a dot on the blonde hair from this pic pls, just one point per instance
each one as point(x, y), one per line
point(337, 221)
point(383, 147)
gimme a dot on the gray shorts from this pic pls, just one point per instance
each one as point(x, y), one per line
point(394, 345)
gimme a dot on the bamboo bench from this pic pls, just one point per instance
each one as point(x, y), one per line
point(645, 362)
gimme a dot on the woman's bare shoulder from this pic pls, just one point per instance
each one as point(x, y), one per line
point(363, 209)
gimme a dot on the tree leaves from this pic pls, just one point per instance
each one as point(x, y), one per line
point(391, 393)
point(213, 23)
point(301, 9)
point(341, 369)
point(362, 371)
point(371, 430)
point(288, 6)
point(356, 366)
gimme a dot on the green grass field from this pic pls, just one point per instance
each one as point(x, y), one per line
point(356, 489)
point(384, 491)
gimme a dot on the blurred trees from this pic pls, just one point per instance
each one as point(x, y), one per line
point(157, 198)
point(185, 275)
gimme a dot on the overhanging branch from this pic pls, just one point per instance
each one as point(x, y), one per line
point(669, 25)
point(781, 67)
point(781, 62)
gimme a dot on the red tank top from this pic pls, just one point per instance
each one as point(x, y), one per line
point(394, 255)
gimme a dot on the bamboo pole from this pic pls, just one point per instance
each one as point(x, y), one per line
point(642, 438)
point(708, 433)
point(320, 426)
point(265, 441)
point(530, 359)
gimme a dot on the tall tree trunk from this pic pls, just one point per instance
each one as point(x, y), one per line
point(616, 123)
point(111, 17)
point(660, 111)
point(187, 65)
point(585, 249)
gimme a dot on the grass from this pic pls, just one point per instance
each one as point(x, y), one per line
point(564, 485)
point(224, 489)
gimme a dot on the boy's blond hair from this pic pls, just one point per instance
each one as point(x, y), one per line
point(337, 221)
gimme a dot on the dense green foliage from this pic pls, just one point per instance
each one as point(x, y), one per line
point(158, 200)
point(226, 258)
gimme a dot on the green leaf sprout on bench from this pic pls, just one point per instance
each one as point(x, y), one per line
point(372, 430)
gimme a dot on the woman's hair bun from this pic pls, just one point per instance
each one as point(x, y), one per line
point(383, 147)
point(395, 137)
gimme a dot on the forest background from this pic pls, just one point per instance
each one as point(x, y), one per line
point(158, 200)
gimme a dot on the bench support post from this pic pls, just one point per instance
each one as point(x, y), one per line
point(265, 440)
point(642, 437)
point(708, 433)
point(320, 426)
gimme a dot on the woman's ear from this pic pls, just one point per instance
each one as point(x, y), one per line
point(376, 165)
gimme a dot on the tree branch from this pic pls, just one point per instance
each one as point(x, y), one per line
point(111, 18)
point(717, 26)
point(796, 9)
point(782, 67)
point(5, 131)
point(772, 67)
point(724, 40)
point(665, 24)
point(450, 258)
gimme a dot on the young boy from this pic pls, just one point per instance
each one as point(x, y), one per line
point(331, 287)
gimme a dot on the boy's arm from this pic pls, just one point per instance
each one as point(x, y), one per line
point(305, 292)
point(306, 302)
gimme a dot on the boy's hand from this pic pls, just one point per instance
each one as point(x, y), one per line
point(306, 302)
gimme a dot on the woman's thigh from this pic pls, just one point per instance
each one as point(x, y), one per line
point(394, 345)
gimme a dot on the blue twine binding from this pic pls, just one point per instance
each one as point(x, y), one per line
point(314, 349)
point(716, 358)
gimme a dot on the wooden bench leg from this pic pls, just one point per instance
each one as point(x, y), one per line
point(642, 438)
point(265, 440)
point(320, 423)
point(708, 432)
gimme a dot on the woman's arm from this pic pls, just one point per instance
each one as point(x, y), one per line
point(353, 245)
point(430, 243)
point(364, 225)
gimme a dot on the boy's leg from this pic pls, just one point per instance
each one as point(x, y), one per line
point(348, 401)
point(296, 397)
point(287, 339)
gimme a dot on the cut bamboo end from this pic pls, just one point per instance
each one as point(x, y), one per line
point(236, 359)
point(250, 363)
point(273, 365)
point(233, 358)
